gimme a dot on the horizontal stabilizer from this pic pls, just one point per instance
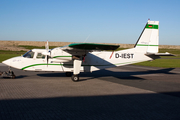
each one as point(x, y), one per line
point(92, 46)
point(160, 54)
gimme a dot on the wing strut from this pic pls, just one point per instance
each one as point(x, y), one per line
point(77, 66)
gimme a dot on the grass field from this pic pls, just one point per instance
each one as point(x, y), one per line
point(164, 63)
point(174, 62)
point(4, 54)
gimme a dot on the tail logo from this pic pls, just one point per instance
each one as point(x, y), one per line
point(150, 25)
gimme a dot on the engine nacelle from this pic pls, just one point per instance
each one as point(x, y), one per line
point(59, 55)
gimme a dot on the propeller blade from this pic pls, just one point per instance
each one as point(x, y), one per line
point(47, 60)
point(47, 46)
point(48, 53)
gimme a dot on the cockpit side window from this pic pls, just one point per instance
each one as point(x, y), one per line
point(29, 54)
point(40, 56)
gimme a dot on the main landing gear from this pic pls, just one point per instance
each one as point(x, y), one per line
point(75, 78)
point(76, 68)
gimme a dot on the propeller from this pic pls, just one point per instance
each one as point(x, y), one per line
point(47, 53)
point(47, 60)
point(47, 46)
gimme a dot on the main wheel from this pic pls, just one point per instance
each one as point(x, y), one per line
point(12, 74)
point(75, 78)
point(68, 74)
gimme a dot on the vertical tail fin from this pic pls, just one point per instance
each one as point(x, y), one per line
point(148, 41)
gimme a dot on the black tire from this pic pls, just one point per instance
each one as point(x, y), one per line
point(68, 74)
point(13, 77)
point(75, 78)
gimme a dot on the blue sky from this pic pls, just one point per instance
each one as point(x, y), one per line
point(101, 21)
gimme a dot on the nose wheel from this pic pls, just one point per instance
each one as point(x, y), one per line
point(75, 78)
point(8, 74)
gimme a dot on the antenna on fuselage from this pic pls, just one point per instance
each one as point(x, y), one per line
point(87, 38)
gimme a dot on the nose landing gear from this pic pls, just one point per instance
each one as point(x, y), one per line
point(8, 74)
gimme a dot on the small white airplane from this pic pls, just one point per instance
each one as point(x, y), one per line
point(88, 57)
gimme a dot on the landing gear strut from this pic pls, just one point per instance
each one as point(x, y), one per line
point(75, 78)
point(77, 66)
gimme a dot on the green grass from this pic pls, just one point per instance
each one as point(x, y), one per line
point(11, 52)
point(7, 56)
point(164, 63)
point(173, 51)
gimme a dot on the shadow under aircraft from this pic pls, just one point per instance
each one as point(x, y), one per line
point(116, 74)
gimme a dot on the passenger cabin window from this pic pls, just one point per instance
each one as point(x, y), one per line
point(40, 56)
point(29, 54)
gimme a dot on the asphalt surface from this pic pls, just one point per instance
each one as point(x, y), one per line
point(127, 93)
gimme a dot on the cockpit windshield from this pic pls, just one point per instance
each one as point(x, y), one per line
point(29, 54)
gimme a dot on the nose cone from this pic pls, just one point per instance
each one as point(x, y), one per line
point(15, 62)
point(7, 62)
